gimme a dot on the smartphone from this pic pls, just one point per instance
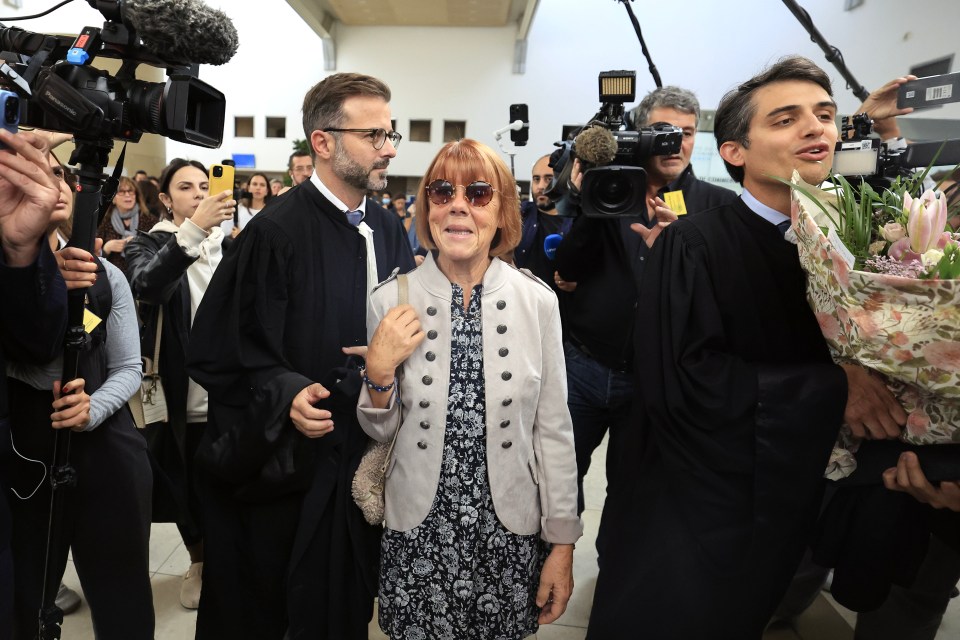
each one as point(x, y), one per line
point(9, 112)
point(221, 178)
point(519, 112)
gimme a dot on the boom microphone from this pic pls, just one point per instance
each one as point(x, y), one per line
point(186, 30)
point(596, 146)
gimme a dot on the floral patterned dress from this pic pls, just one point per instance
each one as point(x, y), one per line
point(461, 574)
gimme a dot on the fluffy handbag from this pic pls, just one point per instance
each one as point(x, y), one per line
point(369, 480)
point(149, 405)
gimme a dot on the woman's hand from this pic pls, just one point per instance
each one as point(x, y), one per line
point(116, 245)
point(556, 583)
point(213, 210)
point(77, 267)
point(71, 406)
point(394, 340)
point(28, 195)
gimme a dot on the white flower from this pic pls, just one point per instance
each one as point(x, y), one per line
point(931, 258)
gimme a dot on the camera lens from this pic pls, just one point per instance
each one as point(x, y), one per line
point(218, 172)
point(11, 110)
point(614, 191)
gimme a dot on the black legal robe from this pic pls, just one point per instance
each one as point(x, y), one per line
point(287, 555)
point(739, 406)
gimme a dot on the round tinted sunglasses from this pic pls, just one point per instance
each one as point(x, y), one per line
point(478, 194)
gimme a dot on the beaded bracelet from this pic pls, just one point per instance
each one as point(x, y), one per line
point(373, 385)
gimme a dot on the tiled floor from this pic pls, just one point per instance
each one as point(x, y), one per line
point(168, 560)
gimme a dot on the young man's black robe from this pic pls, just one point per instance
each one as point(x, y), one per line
point(741, 404)
point(286, 551)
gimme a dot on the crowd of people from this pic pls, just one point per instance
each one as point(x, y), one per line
point(490, 342)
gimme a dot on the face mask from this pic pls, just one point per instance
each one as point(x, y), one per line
point(385, 201)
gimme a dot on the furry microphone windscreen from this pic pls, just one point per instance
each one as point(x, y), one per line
point(596, 145)
point(182, 30)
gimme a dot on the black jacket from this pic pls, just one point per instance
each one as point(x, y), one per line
point(157, 269)
point(605, 258)
point(290, 295)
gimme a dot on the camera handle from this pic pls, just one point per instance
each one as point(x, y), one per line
point(92, 157)
point(516, 125)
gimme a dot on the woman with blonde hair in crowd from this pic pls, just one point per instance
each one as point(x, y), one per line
point(127, 214)
point(481, 492)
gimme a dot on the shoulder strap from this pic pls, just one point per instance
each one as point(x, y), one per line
point(402, 289)
point(402, 298)
point(155, 362)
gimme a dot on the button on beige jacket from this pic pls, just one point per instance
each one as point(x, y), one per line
point(530, 455)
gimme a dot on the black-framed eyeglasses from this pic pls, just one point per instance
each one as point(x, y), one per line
point(377, 136)
point(477, 193)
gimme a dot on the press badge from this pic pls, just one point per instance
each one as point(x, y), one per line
point(90, 321)
point(675, 203)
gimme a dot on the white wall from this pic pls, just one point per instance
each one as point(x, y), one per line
point(466, 74)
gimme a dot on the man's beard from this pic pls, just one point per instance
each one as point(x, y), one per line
point(355, 174)
point(549, 205)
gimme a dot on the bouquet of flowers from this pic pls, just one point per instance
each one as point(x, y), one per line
point(884, 283)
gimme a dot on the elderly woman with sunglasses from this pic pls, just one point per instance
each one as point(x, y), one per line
point(481, 490)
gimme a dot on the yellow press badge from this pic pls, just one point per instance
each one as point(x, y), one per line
point(90, 321)
point(675, 203)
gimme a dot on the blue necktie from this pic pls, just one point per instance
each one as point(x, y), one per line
point(783, 226)
point(354, 217)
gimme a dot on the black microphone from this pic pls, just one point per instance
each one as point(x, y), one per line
point(182, 30)
point(550, 244)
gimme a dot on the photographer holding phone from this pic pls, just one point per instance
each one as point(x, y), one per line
point(169, 269)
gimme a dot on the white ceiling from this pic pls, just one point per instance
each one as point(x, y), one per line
point(433, 13)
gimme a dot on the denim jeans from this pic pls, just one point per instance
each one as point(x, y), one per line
point(598, 398)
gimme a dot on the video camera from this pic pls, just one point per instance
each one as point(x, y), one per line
point(858, 155)
point(60, 91)
point(611, 155)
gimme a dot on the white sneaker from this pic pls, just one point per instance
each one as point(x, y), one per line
point(190, 587)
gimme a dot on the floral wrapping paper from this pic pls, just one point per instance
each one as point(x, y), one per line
point(906, 329)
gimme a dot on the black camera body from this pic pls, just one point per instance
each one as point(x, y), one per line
point(614, 182)
point(634, 148)
point(61, 92)
point(860, 156)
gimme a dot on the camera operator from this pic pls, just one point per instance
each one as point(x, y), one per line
point(671, 183)
point(29, 275)
point(540, 223)
point(605, 258)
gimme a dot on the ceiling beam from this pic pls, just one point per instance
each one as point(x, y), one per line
point(323, 24)
point(523, 30)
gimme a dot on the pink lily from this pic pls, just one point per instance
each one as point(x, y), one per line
point(926, 220)
point(900, 250)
